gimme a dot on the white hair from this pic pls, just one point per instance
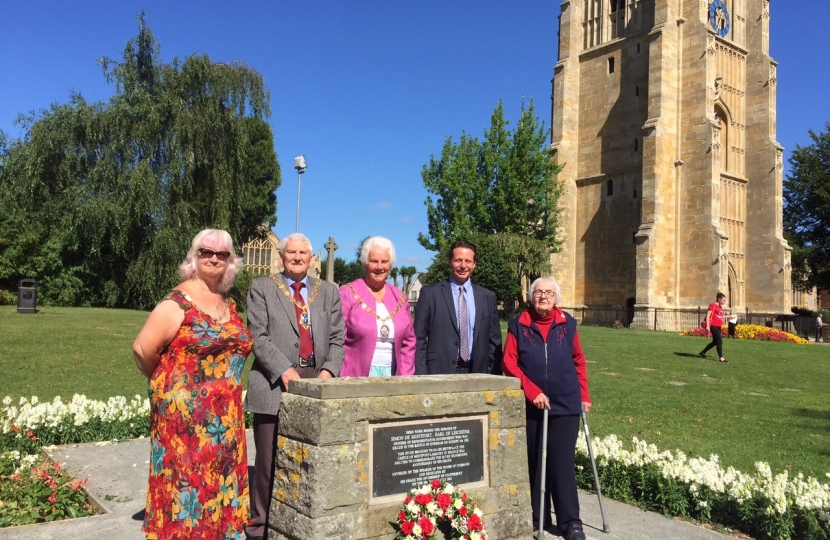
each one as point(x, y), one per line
point(377, 242)
point(550, 280)
point(296, 237)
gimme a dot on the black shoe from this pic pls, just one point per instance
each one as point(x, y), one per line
point(700, 354)
point(574, 532)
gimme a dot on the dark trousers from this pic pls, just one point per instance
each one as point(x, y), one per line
point(717, 341)
point(560, 476)
point(732, 327)
point(262, 482)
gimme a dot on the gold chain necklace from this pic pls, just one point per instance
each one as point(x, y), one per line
point(224, 311)
point(384, 330)
point(305, 321)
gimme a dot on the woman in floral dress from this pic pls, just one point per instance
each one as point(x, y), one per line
point(192, 350)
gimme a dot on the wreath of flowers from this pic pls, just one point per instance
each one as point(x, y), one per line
point(438, 501)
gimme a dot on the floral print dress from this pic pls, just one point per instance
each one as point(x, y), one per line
point(198, 484)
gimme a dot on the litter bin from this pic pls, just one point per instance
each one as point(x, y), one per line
point(27, 296)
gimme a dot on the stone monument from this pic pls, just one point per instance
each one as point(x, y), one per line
point(349, 450)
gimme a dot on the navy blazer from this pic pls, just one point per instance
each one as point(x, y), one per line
point(436, 331)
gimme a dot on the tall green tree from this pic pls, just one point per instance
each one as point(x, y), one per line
point(104, 198)
point(807, 211)
point(500, 191)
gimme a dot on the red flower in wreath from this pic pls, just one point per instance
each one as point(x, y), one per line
point(474, 523)
point(444, 500)
point(426, 526)
point(423, 499)
point(462, 511)
point(407, 527)
point(436, 484)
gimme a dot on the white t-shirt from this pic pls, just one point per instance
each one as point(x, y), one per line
point(384, 349)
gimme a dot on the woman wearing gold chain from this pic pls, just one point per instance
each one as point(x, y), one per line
point(380, 340)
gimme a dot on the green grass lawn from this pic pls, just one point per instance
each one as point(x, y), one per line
point(768, 403)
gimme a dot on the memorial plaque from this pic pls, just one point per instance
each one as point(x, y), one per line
point(410, 454)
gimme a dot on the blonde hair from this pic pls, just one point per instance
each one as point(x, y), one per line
point(215, 239)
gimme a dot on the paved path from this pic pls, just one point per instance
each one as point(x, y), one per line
point(118, 480)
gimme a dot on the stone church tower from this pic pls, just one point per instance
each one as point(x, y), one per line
point(664, 116)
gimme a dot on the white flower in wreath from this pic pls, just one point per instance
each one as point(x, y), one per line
point(432, 507)
point(417, 530)
point(449, 488)
point(412, 508)
point(458, 503)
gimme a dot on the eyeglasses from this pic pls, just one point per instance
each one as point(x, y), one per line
point(209, 253)
point(546, 294)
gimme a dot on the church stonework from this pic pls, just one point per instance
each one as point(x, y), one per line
point(664, 116)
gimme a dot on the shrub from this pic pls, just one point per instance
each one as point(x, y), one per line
point(8, 298)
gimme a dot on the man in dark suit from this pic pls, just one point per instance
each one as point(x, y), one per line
point(457, 322)
point(297, 324)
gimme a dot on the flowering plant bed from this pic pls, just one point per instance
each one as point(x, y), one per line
point(34, 490)
point(766, 506)
point(753, 331)
point(436, 506)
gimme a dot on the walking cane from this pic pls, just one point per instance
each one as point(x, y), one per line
point(605, 528)
point(541, 535)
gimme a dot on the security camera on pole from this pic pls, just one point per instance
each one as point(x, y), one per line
point(299, 164)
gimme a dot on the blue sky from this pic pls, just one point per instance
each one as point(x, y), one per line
point(366, 90)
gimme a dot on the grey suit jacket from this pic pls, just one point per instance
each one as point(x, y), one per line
point(273, 323)
point(436, 331)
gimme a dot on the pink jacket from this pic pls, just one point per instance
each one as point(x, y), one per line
point(362, 331)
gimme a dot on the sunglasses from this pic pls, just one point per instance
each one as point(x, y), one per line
point(209, 253)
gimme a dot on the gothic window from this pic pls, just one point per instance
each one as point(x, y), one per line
point(723, 123)
point(609, 188)
point(611, 65)
point(636, 90)
point(258, 255)
point(636, 144)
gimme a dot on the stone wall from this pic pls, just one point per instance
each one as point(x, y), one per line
point(321, 489)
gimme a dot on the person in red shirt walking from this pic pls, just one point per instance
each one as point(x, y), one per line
point(714, 322)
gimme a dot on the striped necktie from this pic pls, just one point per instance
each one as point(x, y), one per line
point(463, 326)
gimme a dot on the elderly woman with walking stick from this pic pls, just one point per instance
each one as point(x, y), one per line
point(543, 351)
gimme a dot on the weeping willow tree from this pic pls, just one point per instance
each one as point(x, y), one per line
point(104, 198)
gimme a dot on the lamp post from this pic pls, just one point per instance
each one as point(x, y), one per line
point(299, 164)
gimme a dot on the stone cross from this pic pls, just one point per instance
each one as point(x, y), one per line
point(331, 247)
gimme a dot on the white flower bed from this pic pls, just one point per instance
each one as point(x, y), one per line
point(806, 493)
point(30, 414)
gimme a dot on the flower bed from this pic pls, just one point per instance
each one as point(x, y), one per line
point(766, 506)
point(34, 490)
point(753, 331)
